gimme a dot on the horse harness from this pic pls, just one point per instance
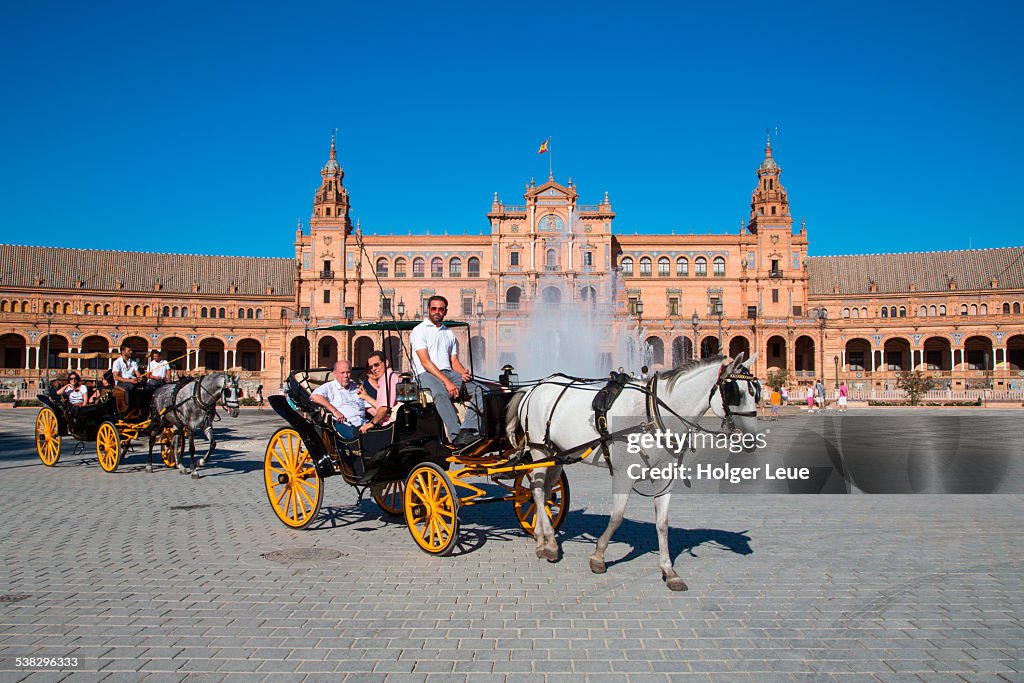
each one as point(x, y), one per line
point(194, 397)
point(653, 405)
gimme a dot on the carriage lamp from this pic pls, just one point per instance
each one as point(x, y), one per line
point(401, 309)
point(406, 391)
point(509, 378)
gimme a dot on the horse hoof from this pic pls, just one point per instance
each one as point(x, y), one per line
point(676, 584)
point(597, 566)
point(182, 471)
point(149, 469)
point(540, 553)
point(202, 463)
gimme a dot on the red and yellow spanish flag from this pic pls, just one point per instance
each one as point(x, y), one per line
point(543, 146)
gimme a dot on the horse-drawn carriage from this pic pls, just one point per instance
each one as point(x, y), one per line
point(409, 466)
point(111, 421)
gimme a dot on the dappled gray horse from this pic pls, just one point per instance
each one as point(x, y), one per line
point(558, 418)
point(188, 407)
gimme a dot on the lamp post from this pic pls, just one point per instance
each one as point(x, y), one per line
point(401, 309)
point(821, 315)
point(835, 359)
point(280, 359)
point(718, 314)
point(306, 351)
point(639, 311)
point(695, 321)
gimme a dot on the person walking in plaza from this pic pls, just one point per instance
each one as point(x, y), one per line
point(810, 398)
point(341, 398)
point(435, 361)
point(844, 394)
point(819, 393)
point(785, 395)
point(259, 397)
point(776, 401)
point(158, 370)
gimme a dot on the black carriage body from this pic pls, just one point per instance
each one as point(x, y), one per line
point(82, 422)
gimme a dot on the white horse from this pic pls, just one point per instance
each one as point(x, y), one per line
point(556, 416)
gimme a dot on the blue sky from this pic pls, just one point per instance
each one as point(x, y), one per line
point(201, 128)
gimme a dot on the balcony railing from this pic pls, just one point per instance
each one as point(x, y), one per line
point(326, 274)
point(775, 274)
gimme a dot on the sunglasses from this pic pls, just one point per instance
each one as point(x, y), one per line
point(438, 308)
point(376, 365)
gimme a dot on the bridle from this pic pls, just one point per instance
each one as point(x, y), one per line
point(728, 385)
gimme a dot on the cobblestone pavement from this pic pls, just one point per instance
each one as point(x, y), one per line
point(158, 577)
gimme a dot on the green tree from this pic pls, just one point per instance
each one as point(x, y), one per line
point(915, 383)
point(777, 379)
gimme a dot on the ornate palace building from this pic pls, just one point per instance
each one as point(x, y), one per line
point(860, 318)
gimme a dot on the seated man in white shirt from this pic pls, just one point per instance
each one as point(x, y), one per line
point(341, 398)
point(158, 370)
point(435, 359)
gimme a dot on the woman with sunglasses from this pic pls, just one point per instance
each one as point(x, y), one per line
point(379, 389)
point(76, 393)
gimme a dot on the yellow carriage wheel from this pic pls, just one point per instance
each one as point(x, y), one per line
point(108, 446)
point(389, 496)
point(525, 508)
point(47, 437)
point(431, 509)
point(167, 447)
point(294, 487)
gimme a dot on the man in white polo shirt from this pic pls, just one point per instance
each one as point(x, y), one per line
point(340, 397)
point(158, 370)
point(435, 359)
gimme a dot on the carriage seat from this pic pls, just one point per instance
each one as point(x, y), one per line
point(460, 404)
point(120, 399)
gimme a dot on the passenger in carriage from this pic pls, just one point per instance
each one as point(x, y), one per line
point(340, 397)
point(104, 383)
point(379, 389)
point(76, 393)
point(436, 362)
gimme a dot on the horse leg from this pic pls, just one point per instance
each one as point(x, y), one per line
point(178, 441)
point(149, 457)
point(668, 573)
point(543, 533)
point(619, 501)
point(213, 444)
point(192, 453)
point(550, 543)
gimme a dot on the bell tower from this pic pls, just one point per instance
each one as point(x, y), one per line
point(769, 203)
point(330, 203)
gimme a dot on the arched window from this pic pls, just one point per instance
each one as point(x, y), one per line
point(184, 311)
point(399, 267)
point(418, 267)
point(923, 311)
point(455, 267)
point(167, 311)
point(719, 266)
point(382, 267)
point(627, 266)
point(1016, 308)
point(474, 266)
point(202, 312)
point(942, 309)
point(512, 297)
point(856, 313)
point(846, 312)
point(127, 309)
point(223, 313)
point(136, 310)
point(259, 314)
point(664, 267)
point(700, 267)
point(249, 313)
point(974, 309)
point(963, 309)
point(437, 267)
point(551, 259)
point(88, 308)
point(864, 312)
point(145, 311)
point(885, 312)
point(903, 311)
point(645, 266)
point(984, 309)
point(241, 313)
point(175, 312)
point(892, 311)
point(66, 309)
point(1006, 309)
point(682, 267)
point(931, 311)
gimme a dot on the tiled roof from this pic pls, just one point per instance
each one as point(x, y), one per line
point(928, 271)
point(62, 268)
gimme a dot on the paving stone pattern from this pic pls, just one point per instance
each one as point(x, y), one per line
point(782, 588)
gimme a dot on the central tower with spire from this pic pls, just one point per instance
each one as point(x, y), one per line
point(769, 203)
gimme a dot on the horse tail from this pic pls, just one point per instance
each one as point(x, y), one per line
point(512, 426)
